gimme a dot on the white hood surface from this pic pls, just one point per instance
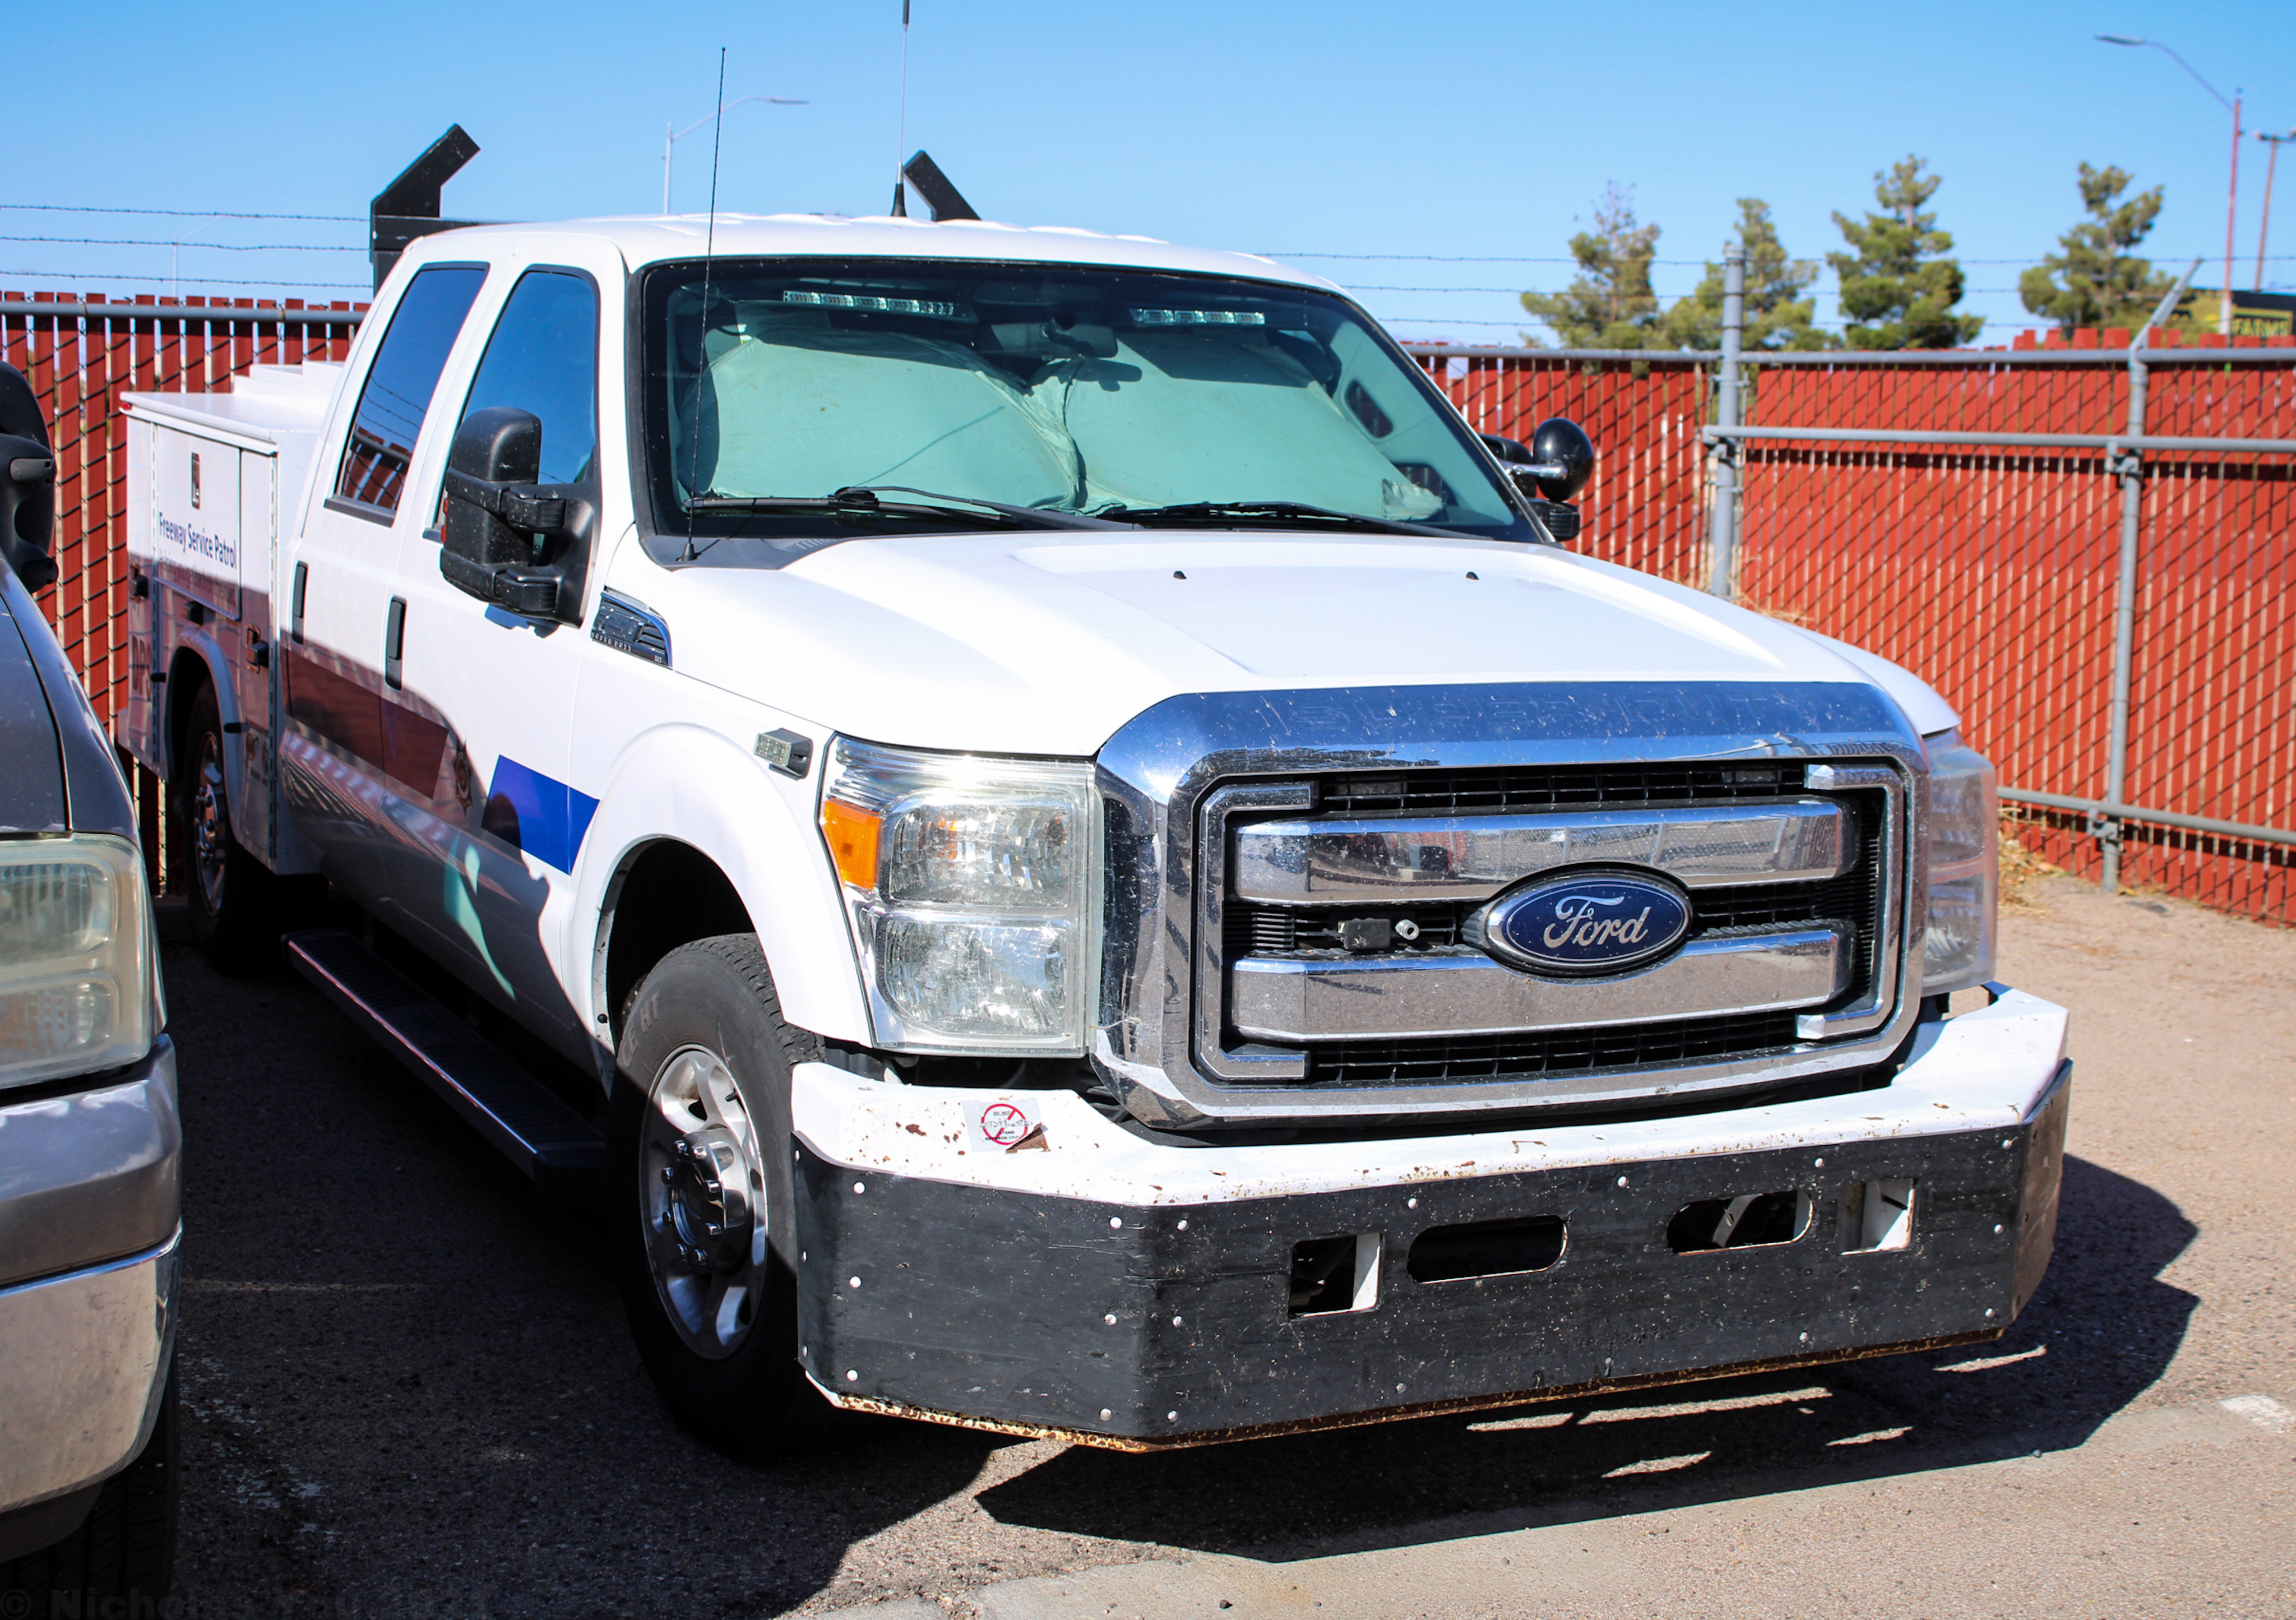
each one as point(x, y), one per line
point(1045, 642)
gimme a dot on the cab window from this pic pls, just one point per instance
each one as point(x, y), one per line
point(397, 394)
point(542, 358)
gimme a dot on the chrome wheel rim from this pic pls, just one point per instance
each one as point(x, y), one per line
point(210, 825)
point(703, 1201)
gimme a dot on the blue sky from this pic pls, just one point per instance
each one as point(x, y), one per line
point(1454, 131)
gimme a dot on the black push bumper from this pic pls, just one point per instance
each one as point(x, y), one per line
point(1140, 1327)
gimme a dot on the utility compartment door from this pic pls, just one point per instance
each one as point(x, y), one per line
point(195, 527)
point(135, 724)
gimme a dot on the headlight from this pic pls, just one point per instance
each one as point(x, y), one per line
point(1964, 867)
point(970, 884)
point(75, 957)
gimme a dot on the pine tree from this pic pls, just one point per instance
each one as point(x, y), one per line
point(1897, 286)
point(2096, 280)
point(1776, 316)
point(1608, 303)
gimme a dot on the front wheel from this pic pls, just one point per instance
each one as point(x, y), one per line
point(122, 1559)
point(700, 1131)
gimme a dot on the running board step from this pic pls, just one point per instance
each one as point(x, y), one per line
point(557, 1148)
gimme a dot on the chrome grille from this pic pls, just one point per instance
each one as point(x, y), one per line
point(1232, 862)
point(1546, 1054)
point(1558, 787)
point(1853, 900)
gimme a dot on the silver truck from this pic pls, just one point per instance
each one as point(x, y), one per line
point(90, 1151)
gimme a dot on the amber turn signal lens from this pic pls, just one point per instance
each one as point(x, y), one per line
point(852, 835)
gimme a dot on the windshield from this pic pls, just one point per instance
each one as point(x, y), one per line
point(1062, 389)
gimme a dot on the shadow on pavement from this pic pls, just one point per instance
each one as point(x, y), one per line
point(2101, 1328)
point(409, 1388)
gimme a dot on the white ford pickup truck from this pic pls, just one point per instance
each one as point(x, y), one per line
point(1112, 876)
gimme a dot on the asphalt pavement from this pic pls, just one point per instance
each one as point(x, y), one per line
point(409, 1390)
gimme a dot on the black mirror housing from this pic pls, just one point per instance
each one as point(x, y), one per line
point(1558, 442)
point(505, 537)
point(27, 484)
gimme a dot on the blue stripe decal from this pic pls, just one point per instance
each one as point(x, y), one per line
point(552, 818)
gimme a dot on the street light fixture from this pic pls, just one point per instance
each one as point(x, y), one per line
point(671, 136)
point(2271, 164)
point(2232, 191)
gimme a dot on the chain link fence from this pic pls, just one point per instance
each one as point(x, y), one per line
point(2089, 547)
point(1859, 498)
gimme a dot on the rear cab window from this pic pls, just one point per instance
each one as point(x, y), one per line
point(396, 396)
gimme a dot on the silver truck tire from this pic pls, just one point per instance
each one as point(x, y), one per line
point(702, 1205)
point(122, 1559)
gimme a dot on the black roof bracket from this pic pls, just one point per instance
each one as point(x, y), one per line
point(408, 206)
point(945, 201)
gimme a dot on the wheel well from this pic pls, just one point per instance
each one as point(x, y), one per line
point(187, 676)
point(668, 895)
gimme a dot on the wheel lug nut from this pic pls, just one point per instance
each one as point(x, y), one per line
point(669, 1175)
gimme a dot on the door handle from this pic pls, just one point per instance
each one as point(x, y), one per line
point(303, 578)
point(394, 641)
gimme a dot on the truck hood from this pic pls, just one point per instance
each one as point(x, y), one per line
point(1046, 643)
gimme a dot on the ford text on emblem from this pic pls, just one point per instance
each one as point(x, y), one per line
point(1587, 921)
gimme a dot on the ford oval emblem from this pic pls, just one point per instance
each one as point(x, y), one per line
point(1592, 920)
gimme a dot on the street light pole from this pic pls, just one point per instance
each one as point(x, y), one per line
point(2232, 190)
point(671, 136)
point(2271, 165)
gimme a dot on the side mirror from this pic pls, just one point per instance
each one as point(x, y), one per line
point(28, 506)
point(1564, 458)
point(27, 484)
point(1550, 469)
point(498, 518)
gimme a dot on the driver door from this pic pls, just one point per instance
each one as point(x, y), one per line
point(501, 895)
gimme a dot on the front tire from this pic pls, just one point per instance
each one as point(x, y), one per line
point(122, 1559)
point(234, 896)
point(704, 1205)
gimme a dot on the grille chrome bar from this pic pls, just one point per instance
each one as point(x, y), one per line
point(1463, 992)
point(1172, 777)
point(1342, 861)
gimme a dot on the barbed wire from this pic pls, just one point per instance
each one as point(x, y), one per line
point(70, 207)
point(187, 281)
point(205, 247)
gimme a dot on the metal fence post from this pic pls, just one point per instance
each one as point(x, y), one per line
point(2131, 468)
point(1723, 545)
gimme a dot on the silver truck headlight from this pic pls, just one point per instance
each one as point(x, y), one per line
point(969, 881)
point(75, 957)
point(1964, 866)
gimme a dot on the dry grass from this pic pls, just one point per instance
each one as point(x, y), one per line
point(2020, 868)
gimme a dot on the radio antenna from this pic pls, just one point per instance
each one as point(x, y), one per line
point(702, 360)
point(901, 142)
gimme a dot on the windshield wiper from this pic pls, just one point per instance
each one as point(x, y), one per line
point(861, 501)
point(1215, 512)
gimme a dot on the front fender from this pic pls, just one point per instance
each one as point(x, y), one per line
point(690, 785)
